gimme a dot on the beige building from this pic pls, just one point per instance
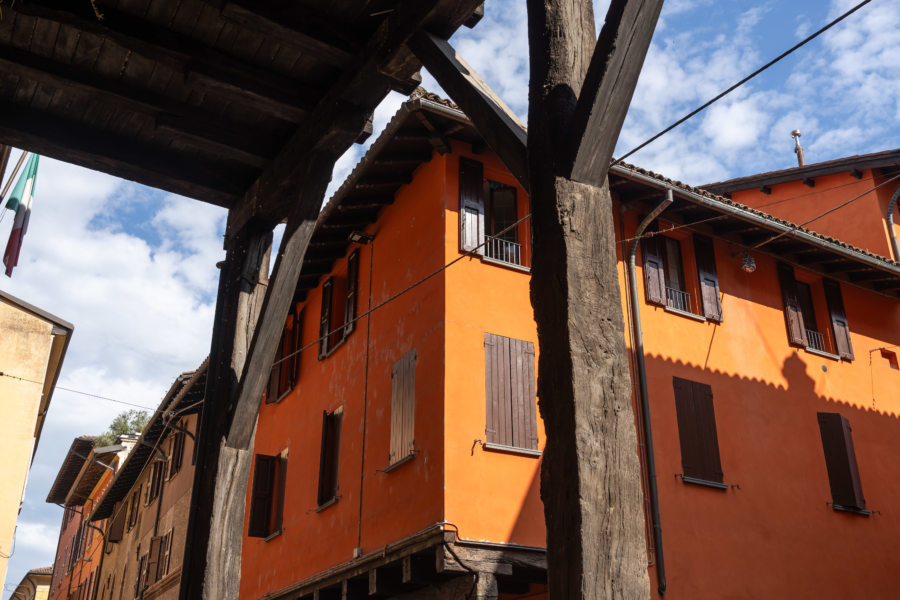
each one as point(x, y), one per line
point(32, 346)
point(146, 505)
point(34, 586)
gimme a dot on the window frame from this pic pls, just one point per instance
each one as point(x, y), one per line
point(268, 496)
point(329, 458)
point(285, 374)
point(510, 398)
point(340, 296)
point(403, 410)
point(698, 436)
point(841, 464)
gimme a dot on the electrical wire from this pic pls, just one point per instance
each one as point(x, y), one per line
point(742, 81)
point(59, 387)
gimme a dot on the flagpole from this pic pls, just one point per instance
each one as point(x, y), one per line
point(13, 175)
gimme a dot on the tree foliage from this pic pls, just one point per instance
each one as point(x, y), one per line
point(128, 422)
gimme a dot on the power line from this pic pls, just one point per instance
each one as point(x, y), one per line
point(58, 387)
point(742, 81)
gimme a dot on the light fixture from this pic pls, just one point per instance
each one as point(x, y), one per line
point(360, 237)
point(748, 263)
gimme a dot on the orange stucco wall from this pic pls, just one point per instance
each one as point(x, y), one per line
point(408, 246)
point(772, 534)
point(861, 223)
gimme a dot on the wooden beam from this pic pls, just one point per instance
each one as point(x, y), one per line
point(214, 69)
point(310, 34)
point(217, 183)
point(609, 85)
point(493, 119)
point(437, 139)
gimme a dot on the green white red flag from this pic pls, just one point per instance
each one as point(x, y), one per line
point(20, 202)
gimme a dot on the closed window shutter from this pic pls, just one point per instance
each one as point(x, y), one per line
point(838, 318)
point(273, 391)
point(793, 314)
point(499, 402)
point(840, 460)
point(296, 344)
point(697, 430)
point(153, 562)
point(261, 496)
point(328, 461)
point(403, 407)
point(352, 292)
point(511, 415)
point(282, 484)
point(471, 205)
point(709, 280)
point(117, 524)
point(522, 384)
point(654, 269)
point(325, 319)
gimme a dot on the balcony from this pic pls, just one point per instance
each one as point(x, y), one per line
point(503, 251)
point(678, 300)
point(815, 340)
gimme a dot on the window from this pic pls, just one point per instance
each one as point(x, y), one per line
point(267, 495)
point(117, 523)
point(665, 282)
point(329, 457)
point(156, 562)
point(403, 408)
point(511, 421)
point(133, 508)
point(805, 327)
point(156, 478)
point(286, 370)
point(840, 460)
point(488, 211)
point(697, 433)
point(338, 319)
point(176, 449)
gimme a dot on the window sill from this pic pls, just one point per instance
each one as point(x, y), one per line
point(822, 353)
point(502, 263)
point(685, 313)
point(272, 535)
point(704, 482)
point(326, 504)
point(402, 461)
point(851, 509)
point(512, 450)
point(333, 349)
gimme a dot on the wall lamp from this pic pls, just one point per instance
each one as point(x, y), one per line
point(360, 237)
point(748, 263)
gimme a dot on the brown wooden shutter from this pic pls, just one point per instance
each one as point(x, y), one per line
point(117, 524)
point(153, 562)
point(840, 460)
point(497, 393)
point(165, 548)
point(471, 205)
point(524, 400)
point(697, 430)
point(709, 280)
point(654, 268)
point(403, 407)
point(261, 496)
point(352, 292)
point(273, 389)
point(328, 461)
point(838, 319)
point(279, 493)
point(296, 344)
point(325, 319)
point(793, 314)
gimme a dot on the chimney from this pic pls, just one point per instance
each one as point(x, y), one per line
point(798, 149)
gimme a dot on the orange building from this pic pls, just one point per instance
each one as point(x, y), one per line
point(398, 447)
point(82, 479)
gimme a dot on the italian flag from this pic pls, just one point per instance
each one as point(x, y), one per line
point(20, 201)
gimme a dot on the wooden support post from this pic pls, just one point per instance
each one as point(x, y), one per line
point(590, 473)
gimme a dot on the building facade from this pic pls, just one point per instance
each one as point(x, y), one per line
point(82, 479)
point(145, 508)
point(35, 585)
point(398, 447)
point(33, 345)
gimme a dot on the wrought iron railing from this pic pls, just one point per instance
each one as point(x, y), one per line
point(502, 250)
point(678, 300)
point(815, 340)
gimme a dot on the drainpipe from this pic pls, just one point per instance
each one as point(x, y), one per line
point(642, 379)
point(890, 224)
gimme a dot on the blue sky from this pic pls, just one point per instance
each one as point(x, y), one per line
point(134, 268)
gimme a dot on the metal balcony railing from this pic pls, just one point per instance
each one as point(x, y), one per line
point(503, 250)
point(815, 340)
point(678, 300)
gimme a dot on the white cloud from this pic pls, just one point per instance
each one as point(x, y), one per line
point(36, 536)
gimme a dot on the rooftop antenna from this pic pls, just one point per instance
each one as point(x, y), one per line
point(798, 149)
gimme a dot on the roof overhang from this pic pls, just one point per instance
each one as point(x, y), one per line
point(98, 462)
point(71, 467)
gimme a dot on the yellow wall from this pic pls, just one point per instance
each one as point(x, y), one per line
point(25, 341)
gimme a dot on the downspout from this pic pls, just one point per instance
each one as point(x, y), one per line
point(642, 384)
point(890, 224)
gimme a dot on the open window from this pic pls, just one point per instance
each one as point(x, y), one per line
point(286, 370)
point(267, 495)
point(680, 274)
point(814, 313)
point(488, 216)
point(338, 316)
